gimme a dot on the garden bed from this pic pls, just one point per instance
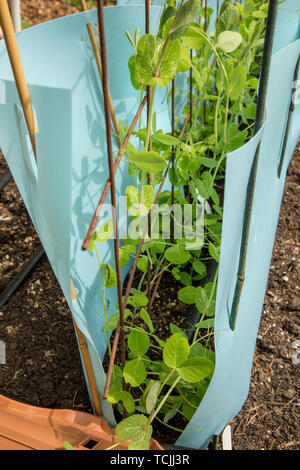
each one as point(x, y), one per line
point(45, 372)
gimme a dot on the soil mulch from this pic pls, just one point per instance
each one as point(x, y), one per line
point(43, 364)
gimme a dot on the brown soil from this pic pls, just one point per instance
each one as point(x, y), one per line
point(43, 364)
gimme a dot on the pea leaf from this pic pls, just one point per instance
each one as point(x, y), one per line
point(142, 263)
point(135, 372)
point(138, 342)
point(177, 254)
point(228, 41)
point(109, 277)
point(112, 322)
point(166, 139)
point(128, 401)
point(237, 80)
point(200, 268)
point(187, 295)
point(134, 75)
point(176, 351)
point(192, 37)
point(105, 232)
point(145, 316)
point(149, 52)
point(151, 162)
point(152, 397)
point(137, 205)
point(137, 429)
point(140, 299)
point(185, 62)
point(228, 18)
point(214, 251)
point(195, 369)
point(185, 17)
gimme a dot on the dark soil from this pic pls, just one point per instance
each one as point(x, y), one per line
point(43, 364)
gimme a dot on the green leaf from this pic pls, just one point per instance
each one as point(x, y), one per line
point(139, 205)
point(200, 268)
point(175, 329)
point(195, 369)
point(228, 18)
point(237, 81)
point(109, 277)
point(151, 162)
point(201, 299)
point(148, 56)
point(112, 322)
point(168, 13)
point(185, 278)
point(152, 397)
point(169, 64)
point(137, 429)
point(187, 295)
point(128, 401)
point(176, 351)
point(185, 62)
point(135, 372)
point(188, 411)
point(259, 14)
point(228, 41)
point(185, 18)
point(214, 252)
point(123, 256)
point(142, 263)
point(177, 254)
point(68, 446)
point(105, 232)
point(208, 162)
point(193, 37)
point(205, 324)
point(140, 299)
point(166, 139)
point(198, 350)
point(134, 75)
point(237, 141)
point(138, 342)
point(92, 243)
point(145, 316)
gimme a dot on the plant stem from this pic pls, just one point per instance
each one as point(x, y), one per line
point(213, 288)
point(151, 418)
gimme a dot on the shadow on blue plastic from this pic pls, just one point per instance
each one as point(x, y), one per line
point(63, 189)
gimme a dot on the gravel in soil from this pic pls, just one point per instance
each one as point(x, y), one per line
point(43, 364)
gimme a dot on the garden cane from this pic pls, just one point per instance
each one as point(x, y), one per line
point(18, 71)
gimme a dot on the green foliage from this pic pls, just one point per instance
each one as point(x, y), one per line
point(170, 376)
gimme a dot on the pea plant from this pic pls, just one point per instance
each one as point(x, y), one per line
point(163, 378)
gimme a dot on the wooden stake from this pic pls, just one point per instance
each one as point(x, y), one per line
point(18, 71)
point(87, 362)
point(99, 66)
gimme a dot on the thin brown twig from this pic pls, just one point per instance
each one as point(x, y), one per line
point(111, 170)
point(147, 28)
point(108, 182)
point(99, 66)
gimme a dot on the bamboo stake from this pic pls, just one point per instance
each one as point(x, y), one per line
point(173, 155)
point(111, 172)
point(260, 114)
point(108, 182)
point(87, 362)
point(147, 28)
point(18, 71)
point(99, 66)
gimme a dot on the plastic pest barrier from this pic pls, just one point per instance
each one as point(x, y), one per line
point(62, 189)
